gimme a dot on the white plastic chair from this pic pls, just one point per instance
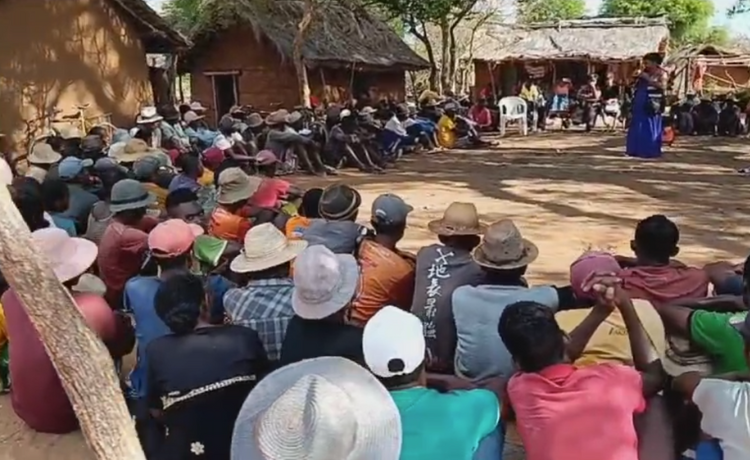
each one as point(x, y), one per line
point(513, 109)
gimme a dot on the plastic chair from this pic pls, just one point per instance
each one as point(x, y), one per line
point(513, 109)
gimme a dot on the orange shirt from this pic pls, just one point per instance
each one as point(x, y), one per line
point(227, 226)
point(296, 226)
point(387, 279)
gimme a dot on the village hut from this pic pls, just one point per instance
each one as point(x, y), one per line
point(709, 69)
point(59, 54)
point(568, 49)
point(243, 55)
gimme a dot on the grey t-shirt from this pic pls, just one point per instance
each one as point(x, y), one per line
point(280, 141)
point(480, 353)
point(440, 271)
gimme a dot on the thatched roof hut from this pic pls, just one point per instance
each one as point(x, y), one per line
point(342, 35)
point(709, 68)
point(158, 36)
point(597, 39)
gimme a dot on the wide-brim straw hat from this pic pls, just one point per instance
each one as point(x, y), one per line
point(318, 409)
point(266, 247)
point(278, 117)
point(68, 257)
point(504, 248)
point(459, 219)
point(43, 154)
point(324, 282)
point(254, 120)
point(131, 151)
point(148, 115)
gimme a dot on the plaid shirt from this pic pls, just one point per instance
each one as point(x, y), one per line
point(266, 307)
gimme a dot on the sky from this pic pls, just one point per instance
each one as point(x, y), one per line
point(720, 18)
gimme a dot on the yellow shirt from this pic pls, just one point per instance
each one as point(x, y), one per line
point(207, 178)
point(160, 193)
point(530, 93)
point(610, 343)
point(446, 132)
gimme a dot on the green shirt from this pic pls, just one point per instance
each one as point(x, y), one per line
point(715, 333)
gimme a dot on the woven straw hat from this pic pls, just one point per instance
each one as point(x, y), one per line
point(278, 117)
point(43, 154)
point(319, 409)
point(503, 248)
point(459, 219)
point(130, 151)
point(266, 247)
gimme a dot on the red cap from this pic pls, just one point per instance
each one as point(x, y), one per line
point(172, 238)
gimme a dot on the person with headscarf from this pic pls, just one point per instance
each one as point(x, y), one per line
point(644, 138)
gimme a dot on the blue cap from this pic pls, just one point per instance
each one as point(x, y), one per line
point(389, 209)
point(70, 167)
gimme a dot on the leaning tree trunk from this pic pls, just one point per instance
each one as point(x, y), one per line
point(81, 360)
point(299, 62)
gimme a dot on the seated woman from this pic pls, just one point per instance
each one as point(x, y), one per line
point(481, 115)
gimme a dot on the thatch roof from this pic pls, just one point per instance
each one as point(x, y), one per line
point(342, 34)
point(601, 39)
point(158, 36)
point(713, 54)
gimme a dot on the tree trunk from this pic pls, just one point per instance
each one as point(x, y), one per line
point(452, 60)
point(83, 364)
point(299, 61)
point(422, 37)
point(445, 59)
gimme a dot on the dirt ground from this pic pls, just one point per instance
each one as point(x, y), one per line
point(566, 192)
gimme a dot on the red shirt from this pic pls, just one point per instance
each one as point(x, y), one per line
point(38, 396)
point(121, 253)
point(270, 193)
point(481, 115)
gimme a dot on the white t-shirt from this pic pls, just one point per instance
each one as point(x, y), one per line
point(394, 124)
point(726, 415)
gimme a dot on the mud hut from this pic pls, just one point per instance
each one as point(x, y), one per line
point(79, 52)
point(572, 49)
point(243, 55)
point(709, 69)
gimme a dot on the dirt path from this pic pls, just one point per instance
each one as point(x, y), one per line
point(566, 192)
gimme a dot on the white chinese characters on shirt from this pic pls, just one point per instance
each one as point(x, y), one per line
point(437, 272)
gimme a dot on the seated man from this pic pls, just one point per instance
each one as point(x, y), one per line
point(198, 132)
point(453, 132)
point(286, 143)
point(653, 275)
point(345, 146)
point(395, 137)
point(705, 118)
point(729, 119)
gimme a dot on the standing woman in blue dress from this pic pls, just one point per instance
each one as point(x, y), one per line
point(645, 131)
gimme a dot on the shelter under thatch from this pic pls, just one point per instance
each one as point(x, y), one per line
point(573, 49)
point(710, 69)
point(346, 50)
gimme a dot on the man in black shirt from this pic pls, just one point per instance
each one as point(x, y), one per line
point(324, 285)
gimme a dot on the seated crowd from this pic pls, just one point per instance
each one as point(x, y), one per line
point(267, 323)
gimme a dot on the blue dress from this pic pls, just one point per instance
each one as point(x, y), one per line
point(644, 133)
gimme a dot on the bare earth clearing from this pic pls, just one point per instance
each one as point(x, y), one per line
point(566, 191)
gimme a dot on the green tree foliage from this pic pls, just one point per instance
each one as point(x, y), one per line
point(686, 17)
point(183, 15)
point(550, 10)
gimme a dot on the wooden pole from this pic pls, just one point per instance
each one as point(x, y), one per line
point(81, 360)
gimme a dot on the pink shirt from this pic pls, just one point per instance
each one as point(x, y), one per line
point(270, 193)
point(38, 397)
point(565, 413)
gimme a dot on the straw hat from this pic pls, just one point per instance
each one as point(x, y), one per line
point(148, 115)
point(68, 257)
point(266, 247)
point(197, 107)
point(277, 118)
point(254, 120)
point(131, 150)
point(235, 186)
point(191, 116)
point(43, 154)
point(318, 409)
point(459, 219)
point(324, 282)
point(503, 248)
point(294, 117)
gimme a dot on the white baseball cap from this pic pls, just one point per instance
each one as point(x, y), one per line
point(393, 343)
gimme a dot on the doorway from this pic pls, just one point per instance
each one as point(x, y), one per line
point(226, 92)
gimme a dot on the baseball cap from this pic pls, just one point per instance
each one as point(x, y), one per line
point(266, 157)
point(742, 325)
point(172, 238)
point(393, 343)
point(389, 209)
point(70, 167)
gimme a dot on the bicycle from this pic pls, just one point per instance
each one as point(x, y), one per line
point(80, 121)
point(33, 127)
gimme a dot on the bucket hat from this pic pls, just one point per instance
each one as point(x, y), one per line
point(459, 219)
point(148, 115)
point(339, 202)
point(254, 120)
point(265, 158)
point(67, 256)
point(318, 409)
point(196, 106)
point(192, 116)
point(43, 154)
point(266, 247)
point(277, 118)
point(504, 248)
point(324, 282)
point(172, 238)
point(130, 194)
point(235, 186)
